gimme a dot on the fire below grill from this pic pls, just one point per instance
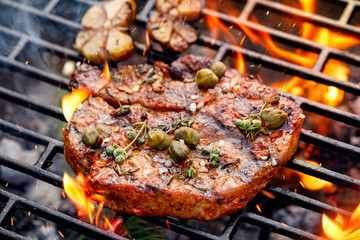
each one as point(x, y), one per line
point(23, 45)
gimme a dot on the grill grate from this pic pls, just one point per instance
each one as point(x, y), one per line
point(52, 146)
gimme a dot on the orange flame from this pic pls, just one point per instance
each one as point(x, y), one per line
point(76, 190)
point(315, 184)
point(106, 72)
point(339, 229)
point(71, 101)
point(84, 203)
point(329, 95)
point(217, 28)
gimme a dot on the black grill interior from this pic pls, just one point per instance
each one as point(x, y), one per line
point(57, 23)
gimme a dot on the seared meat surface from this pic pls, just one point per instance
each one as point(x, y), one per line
point(149, 181)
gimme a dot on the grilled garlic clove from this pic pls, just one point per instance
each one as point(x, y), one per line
point(104, 35)
point(119, 45)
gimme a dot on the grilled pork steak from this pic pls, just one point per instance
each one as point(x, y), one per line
point(149, 181)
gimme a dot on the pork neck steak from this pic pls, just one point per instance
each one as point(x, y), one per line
point(150, 182)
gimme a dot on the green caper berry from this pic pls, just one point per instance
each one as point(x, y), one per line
point(103, 130)
point(178, 151)
point(122, 111)
point(214, 157)
point(131, 134)
point(189, 135)
point(216, 151)
point(206, 78)
point(140, 141)
point(120, 159)
point(158, 139)
point(119, 151)
point(219, 68)
point(214, 164)
point(274, 118)
point(90, 136)
point(110, 150)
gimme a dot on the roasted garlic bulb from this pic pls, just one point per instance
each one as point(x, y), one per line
point(105, 34)
point(168, 25)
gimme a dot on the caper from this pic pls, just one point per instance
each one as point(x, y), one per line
point(214, 157)
point(111, 149)
point(274, 118)
point(140, 141)
point(189, 135)
point(216, 151)
point(119, 151)
point(158, 139)
point(131, 134)
point(103, 130)
point(219, 68)
point(90, 136)
point(206, 78)
point(214, 164)
point(122, 111)
point(178, 150)
point(120, 159)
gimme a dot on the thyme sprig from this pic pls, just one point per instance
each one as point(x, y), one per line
point(120, 153)
point(176, 124)
point(251, 125)
point(129, 174)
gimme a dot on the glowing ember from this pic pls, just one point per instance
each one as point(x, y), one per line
point(340, 229)
point(315, 184)
point(71, 101)
point(147, 42)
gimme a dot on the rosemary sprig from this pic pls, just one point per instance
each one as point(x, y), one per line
point(191, 171)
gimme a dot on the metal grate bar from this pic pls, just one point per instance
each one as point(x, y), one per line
point(47, 155)
point(330, 112)
point(327, 22)
point(16, 130)
point(306, 202)
point(329, 143)
point(52, 146)
point(38, 173)
point(39, 74)
point(7, 210)
point(323, 173)
point(346, 15)
point(231, 226)
point(31, 103)
point(61, 218)
point(278, 227)
point(7, 234)
point(181, 227)
point(290, 68)
point(41, 13)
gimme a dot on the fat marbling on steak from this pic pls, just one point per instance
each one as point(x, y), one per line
point(156, 185)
